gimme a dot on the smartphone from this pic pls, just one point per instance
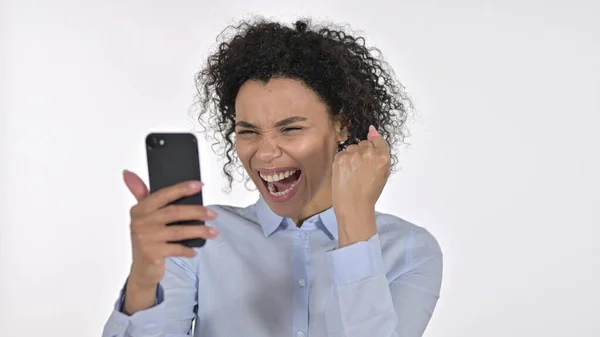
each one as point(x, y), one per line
point(173, 158)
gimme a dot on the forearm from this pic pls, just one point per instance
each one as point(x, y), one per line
point(395, 298)
point(361, 302)
point(167, 308)
point(363, 309)
point(138, 298)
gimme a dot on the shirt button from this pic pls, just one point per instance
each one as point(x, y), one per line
point(300, 334)
point(301, 282)
point(302, 235)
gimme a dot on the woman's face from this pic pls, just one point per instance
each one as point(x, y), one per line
point(287, 142)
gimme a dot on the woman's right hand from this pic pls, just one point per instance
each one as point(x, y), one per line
point(150, 235)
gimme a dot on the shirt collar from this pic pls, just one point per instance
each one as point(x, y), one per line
point(270, 221)
point(330, 222)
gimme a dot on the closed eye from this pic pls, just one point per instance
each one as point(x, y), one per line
point(291, 129)
point(245, 132)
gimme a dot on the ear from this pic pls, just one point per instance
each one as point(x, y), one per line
point(341, 129)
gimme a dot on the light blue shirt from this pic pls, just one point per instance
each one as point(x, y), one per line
point(263, 276)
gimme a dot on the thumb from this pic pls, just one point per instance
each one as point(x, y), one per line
point(135, 185)
point(372, 133)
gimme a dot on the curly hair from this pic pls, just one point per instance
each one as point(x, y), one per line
point(357, 86)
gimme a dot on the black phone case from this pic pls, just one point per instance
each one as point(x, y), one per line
point(173, 158)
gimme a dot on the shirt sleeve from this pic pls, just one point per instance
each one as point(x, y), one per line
point(175, 308)
point(364, 302)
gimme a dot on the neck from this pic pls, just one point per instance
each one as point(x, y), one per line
point(318, 204)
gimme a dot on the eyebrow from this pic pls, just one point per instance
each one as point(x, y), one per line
point(283, 122)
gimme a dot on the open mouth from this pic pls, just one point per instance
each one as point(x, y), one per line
point(280, 183)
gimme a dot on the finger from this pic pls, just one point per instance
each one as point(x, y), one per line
point(352, 148)
point(135, 185)
point(167, 195)
point(186, 232)
point(174, 213)
point(372, 133)
point(365, 144)
point(339, 156)
point(378, 141)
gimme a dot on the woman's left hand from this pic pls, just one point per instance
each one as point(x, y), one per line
point(359, 176)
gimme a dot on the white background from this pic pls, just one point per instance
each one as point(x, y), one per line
point(503, 167)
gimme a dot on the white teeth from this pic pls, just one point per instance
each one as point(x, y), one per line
point(281, 193)
point(277, 176)
point(272, 177)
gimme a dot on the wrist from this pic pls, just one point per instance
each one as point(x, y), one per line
point(355, 217)
point(138, 286)
point(357, 226)
point(138, 297)
point(139, 278)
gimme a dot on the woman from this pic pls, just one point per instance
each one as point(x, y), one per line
point(313, 116)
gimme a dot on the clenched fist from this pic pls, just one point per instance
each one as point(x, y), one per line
point(359, 176)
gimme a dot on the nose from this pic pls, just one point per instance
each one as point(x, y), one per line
point(268, 149)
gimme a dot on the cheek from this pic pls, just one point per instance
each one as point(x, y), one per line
point(315, 153)
point(244, 151)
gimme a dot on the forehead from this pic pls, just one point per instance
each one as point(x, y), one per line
point(279, 98)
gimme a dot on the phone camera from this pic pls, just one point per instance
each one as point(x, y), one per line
point(153, 142)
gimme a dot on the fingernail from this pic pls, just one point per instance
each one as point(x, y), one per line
point(372, 128)
point(125, 171)
point(213, 231)
point(211, 213)
point(195, 185)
